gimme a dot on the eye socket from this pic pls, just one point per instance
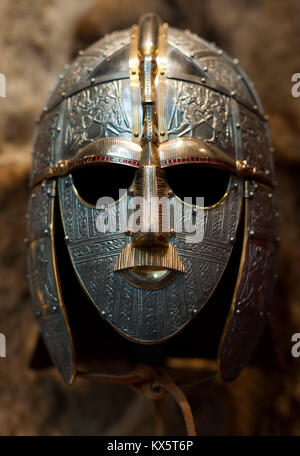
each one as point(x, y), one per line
point(106, 179)
point(198, 181)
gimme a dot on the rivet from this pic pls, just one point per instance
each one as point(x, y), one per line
point(205, 69)
point(162, 73)
point(238, 125)
point(194, 311)
point(93, 81)
point(26, 241)
point(58, 129)
point(103, 312)
point(162, 133)
point(170, 193)
point(267, 171)
point(172, 232)
point(251, 194)
point(26, 216)
point(46, 231)
point(44, 109)
point(135, 134)
point(266, 117)
point(54, 308)
point(203, 80)
point(33, 195)
point(63, 94)
point(220, 52)
point(231, 239)
point(238, 311)
point(236, 61)
point(80, 52)
point(251, 233)
point(272, 149)
point(67, 239)
point(232, 93)
point(261, 314)
point(270, 195)
point(255, 107)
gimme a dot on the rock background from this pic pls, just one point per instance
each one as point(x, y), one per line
point(36, 40)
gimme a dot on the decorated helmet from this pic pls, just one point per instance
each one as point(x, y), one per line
point(152, 225)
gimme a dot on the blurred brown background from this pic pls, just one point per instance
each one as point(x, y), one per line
point(36, 39)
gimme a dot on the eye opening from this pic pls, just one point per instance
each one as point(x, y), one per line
point(105, 179)
point(193, 180)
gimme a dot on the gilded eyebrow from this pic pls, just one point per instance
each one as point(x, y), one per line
point(192, 150)
point(188, 150)
point(109, 150)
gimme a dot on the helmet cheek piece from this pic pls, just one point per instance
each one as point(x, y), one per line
point(44, 280)
point(252, 297)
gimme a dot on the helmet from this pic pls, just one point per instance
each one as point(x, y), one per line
point(175, 123)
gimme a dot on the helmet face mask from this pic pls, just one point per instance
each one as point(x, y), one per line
point(130, 143)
